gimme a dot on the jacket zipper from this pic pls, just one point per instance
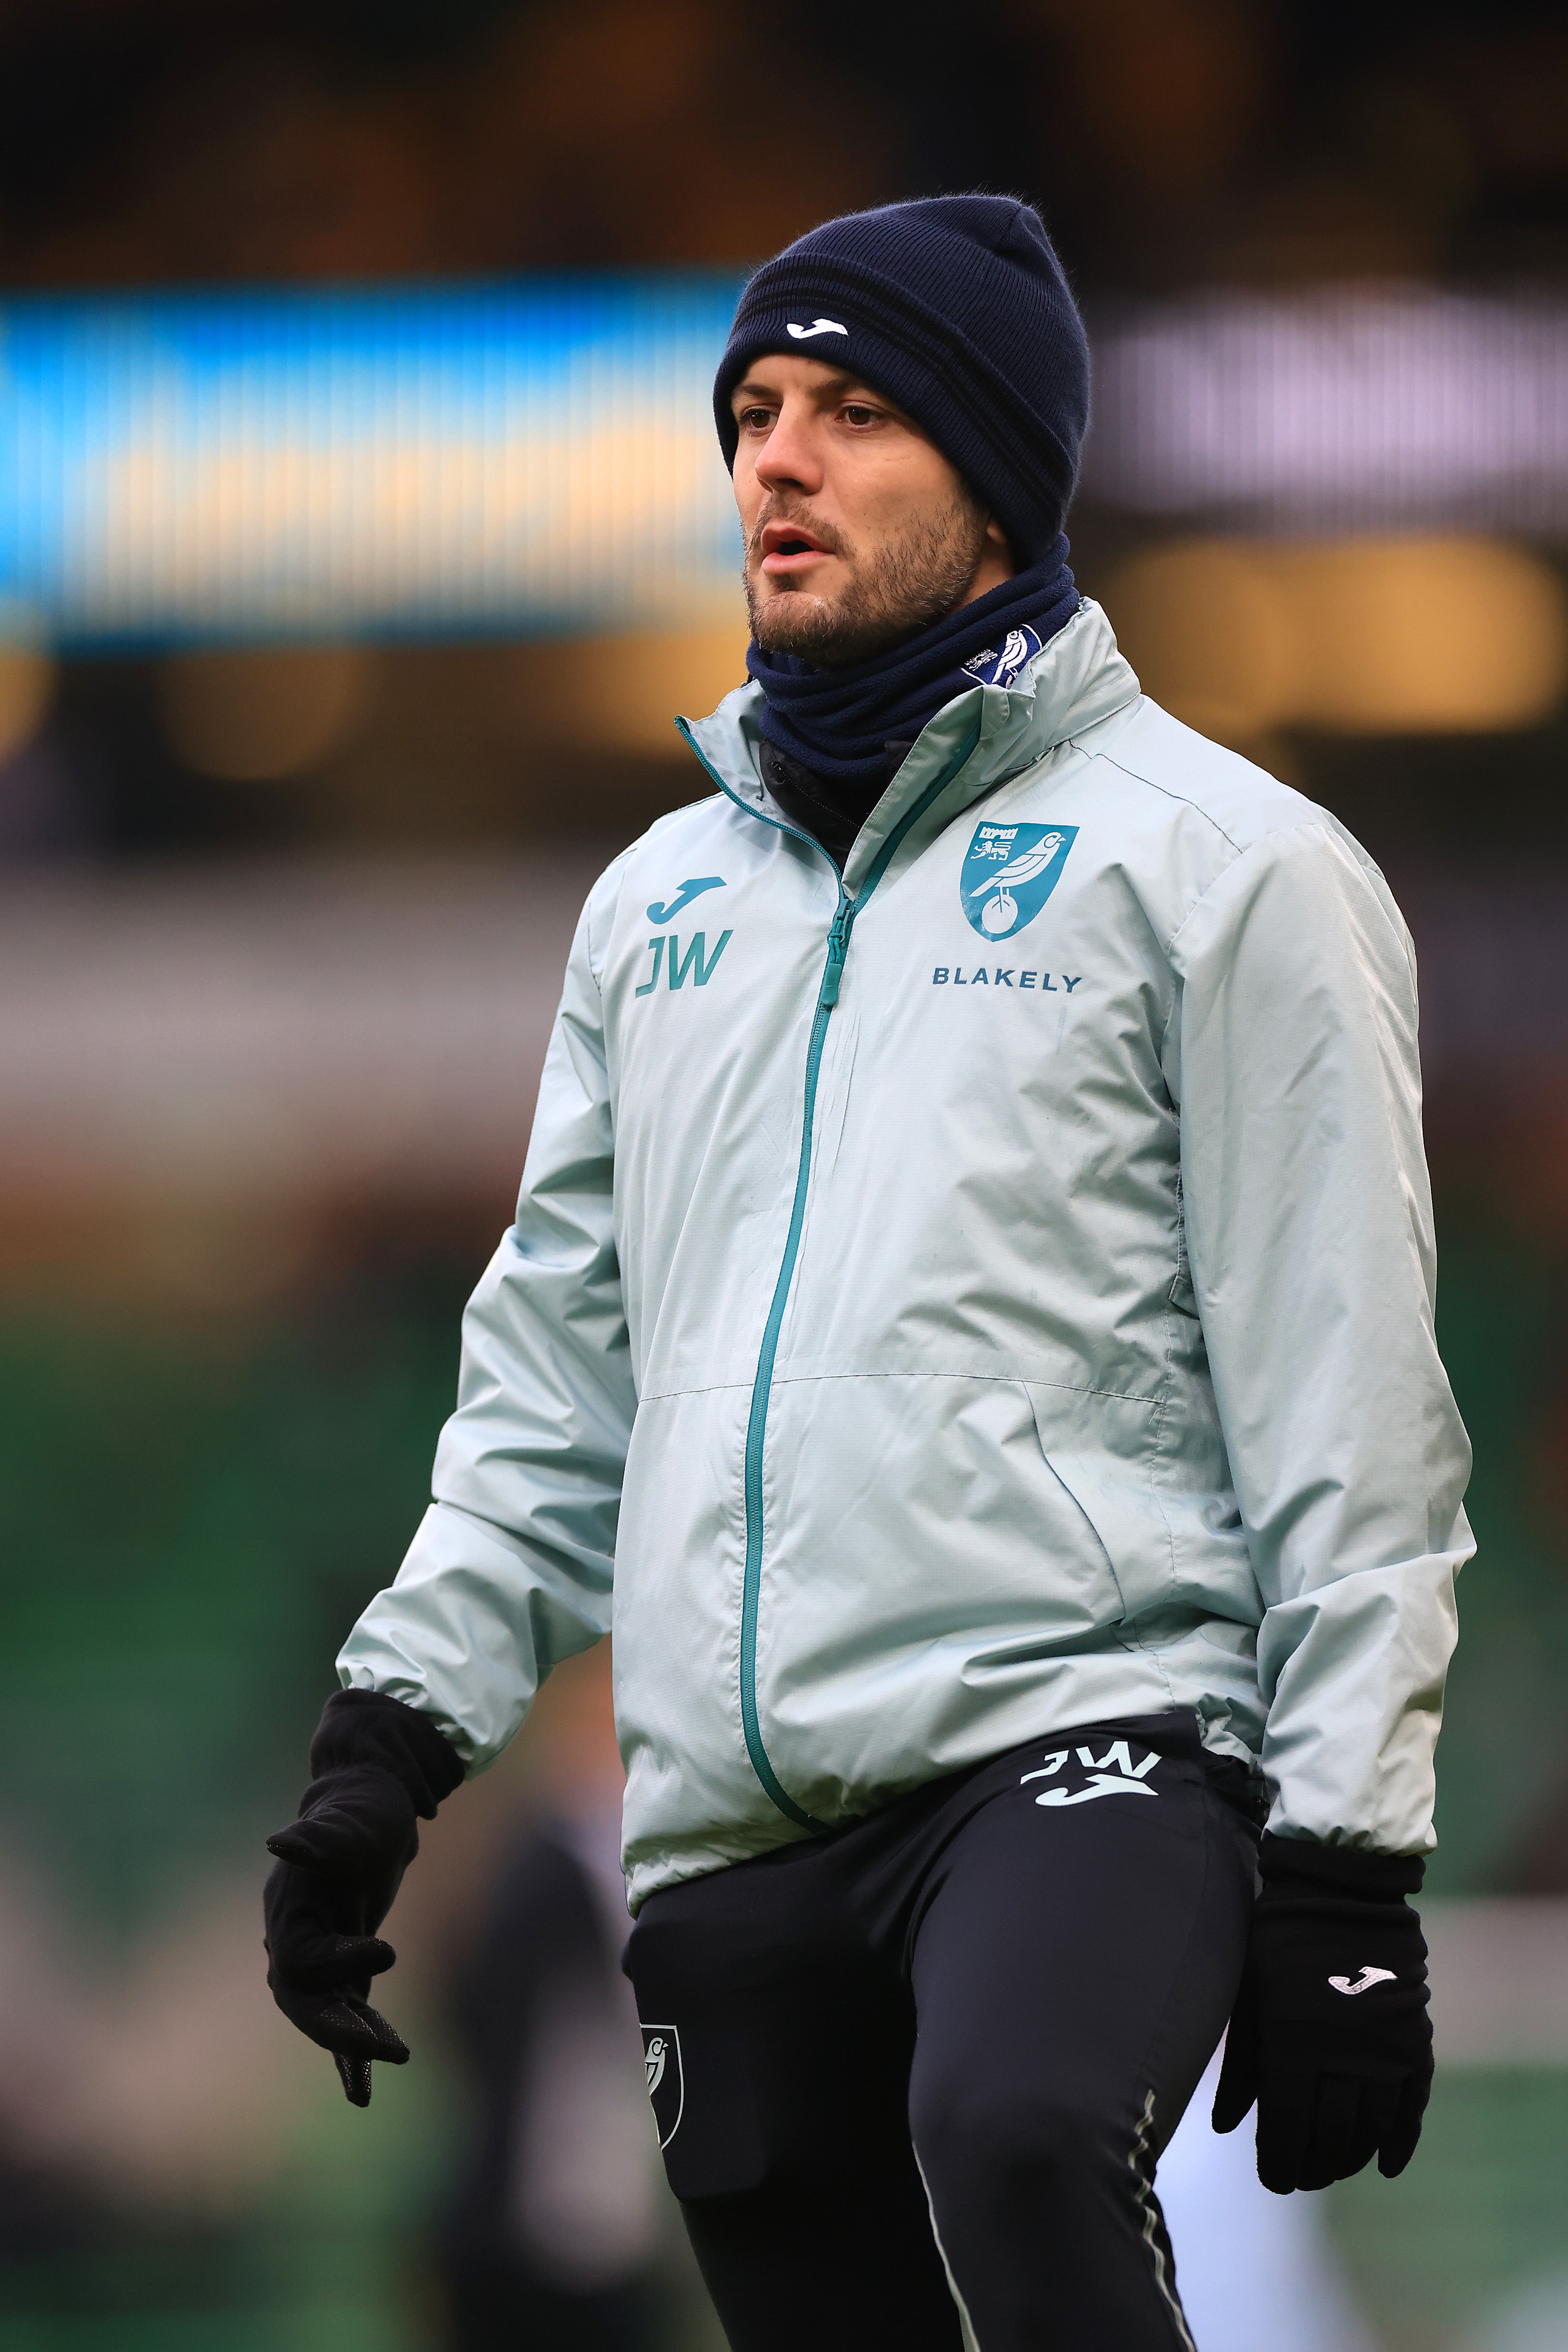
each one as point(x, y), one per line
point(838, 933)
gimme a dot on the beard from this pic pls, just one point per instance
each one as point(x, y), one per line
point(920, 572)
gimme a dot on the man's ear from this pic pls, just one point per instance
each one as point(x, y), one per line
point(996, 536)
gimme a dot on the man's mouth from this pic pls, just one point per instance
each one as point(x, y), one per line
point(788, 547)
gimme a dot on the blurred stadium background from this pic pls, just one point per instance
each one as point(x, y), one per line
point(361, 530)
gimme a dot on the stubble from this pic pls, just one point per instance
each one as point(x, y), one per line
point(919, 573)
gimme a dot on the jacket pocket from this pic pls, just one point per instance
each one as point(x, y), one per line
point(1100, 1450)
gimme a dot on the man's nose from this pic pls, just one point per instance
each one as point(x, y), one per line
point(789, 457)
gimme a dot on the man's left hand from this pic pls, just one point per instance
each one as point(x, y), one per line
point(1331, 2033)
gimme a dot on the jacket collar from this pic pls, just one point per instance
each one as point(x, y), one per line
point(1076, 680)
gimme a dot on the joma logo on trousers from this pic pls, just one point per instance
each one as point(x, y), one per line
point(676, 966)
point(1128, 1780)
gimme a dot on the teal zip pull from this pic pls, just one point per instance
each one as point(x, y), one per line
point(837, 950)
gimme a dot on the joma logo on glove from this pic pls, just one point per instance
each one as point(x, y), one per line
point(1365, 1982)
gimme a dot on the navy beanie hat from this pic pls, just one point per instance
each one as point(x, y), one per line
point(956, 308)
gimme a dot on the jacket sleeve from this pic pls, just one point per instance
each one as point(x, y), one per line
point(511, 1569)
point(1309, 1218)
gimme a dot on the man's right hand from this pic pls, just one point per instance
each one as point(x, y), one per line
point(337, 1870)
point(378, 1765)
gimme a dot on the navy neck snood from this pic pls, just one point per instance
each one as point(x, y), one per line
point(838, 723)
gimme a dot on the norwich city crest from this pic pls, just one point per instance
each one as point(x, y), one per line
point(1009, 872)
point(666, 2083)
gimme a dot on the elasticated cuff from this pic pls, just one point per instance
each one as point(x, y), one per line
point(360, 1727)
point(1348, 1869)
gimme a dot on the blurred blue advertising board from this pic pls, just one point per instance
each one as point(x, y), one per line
point(526, 456)
point(538, 455)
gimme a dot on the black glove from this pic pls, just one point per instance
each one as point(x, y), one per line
point(1330, 2035)
point(375, 1764)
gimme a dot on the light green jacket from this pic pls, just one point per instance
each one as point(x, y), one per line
point(992, 1295)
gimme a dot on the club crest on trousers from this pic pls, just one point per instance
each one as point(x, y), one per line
point(666, 2084)
point(1009, 872)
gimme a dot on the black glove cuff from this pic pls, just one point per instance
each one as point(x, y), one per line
point(367, 1728)
point(1347, 1869)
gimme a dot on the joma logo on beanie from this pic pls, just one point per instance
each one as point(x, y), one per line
point(963, 317)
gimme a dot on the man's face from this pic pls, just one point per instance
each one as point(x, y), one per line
point(858, 531)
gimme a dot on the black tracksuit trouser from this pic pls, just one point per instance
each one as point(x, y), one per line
point(923, 2065)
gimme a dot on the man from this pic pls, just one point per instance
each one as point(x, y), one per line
point(971, 1302)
